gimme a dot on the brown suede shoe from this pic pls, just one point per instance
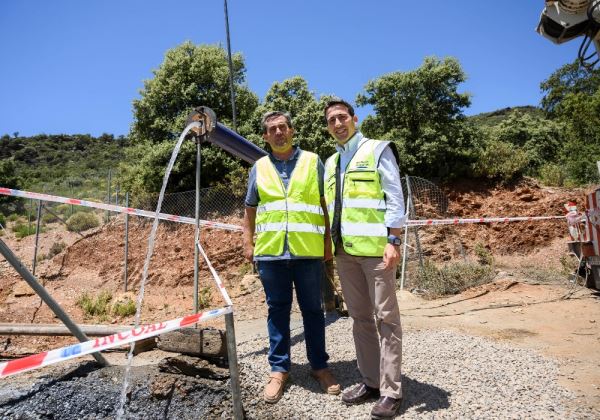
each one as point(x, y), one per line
point(326, 380)
point(359, 394)
point(386, 408)
point(274, 388)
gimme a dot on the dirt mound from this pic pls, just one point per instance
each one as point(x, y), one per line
point(470, 199)
point(172, 259)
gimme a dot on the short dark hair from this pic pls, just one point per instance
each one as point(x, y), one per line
point(337, 101)
point(268, 115)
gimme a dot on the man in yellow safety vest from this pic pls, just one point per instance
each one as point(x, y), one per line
point(366, 209)
point(286, 210)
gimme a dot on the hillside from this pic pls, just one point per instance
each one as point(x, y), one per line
point(487, 119)
point(62, 162)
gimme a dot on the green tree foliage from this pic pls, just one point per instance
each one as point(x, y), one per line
point(70, 165)
point(190, 75)
point(569, 79)
point(422, 112)
point(293, 95)
point(572, 97)
point(8, 179)
point(541, 139)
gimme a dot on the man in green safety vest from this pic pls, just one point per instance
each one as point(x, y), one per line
point(286, 210)
point(366, 209)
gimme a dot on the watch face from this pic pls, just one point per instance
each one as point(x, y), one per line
point(394, 240)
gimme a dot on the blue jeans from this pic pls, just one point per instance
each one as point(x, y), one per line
point(278, 279)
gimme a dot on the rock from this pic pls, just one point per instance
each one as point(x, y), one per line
point(205, 342)
point(192, 366)
point(22, 289)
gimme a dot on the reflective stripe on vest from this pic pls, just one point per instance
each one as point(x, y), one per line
point(363, 202)
point(295, 212)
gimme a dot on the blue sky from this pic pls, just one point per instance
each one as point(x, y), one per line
point(72, 66)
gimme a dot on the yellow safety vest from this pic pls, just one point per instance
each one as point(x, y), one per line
point(363, 202)
point(295, 212)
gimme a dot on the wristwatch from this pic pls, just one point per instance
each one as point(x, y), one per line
point(394, 240)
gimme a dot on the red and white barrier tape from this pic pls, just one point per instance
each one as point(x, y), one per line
point(102, 343)
point(226, 226)
point(117, 209)
point(430, 222)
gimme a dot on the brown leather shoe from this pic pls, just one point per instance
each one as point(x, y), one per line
point(385, 408)
point(274, 388)
point(326, 380)
point(359, 394)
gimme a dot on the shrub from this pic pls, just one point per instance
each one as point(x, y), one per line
point(2, 220)
point(82, 221)
point(13, 217)
point(204, 297)
point(56, 249)
point(484, 256)
point(452, 278)
point(93, 306)
point(49, 218)
point(63, 209)
point(553, 175)
point(501, 161)
point(22, 230)
point(125, 307)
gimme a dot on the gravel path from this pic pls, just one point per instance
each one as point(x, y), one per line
point(445, 375)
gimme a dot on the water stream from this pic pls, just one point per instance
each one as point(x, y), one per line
point(123, 398)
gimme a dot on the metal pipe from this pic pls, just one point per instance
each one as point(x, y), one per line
point(60, 330)
point(37, 236)
point(45, 296)
point(108, 195)
point(234, 373)
point(197, 228)
point(233, 143)
point(405, 249)
point(126, 240)
point(413, 212)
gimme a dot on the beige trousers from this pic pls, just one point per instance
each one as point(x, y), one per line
point(370, 293)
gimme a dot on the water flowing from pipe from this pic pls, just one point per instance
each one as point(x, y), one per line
point(140, 298)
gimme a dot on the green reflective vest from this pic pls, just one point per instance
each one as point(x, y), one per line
point(363, 202)
point(295, 212)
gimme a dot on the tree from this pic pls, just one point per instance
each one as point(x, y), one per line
point(421, 111)
point(9, 179)
point(572, 97)
point(568, 79)
point(581, 114)
point(540, 138)
point(293, 95)
point(190, 75)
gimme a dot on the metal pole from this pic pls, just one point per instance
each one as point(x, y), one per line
point(108, 194)
point(45, 296)
point(197, 229)
point(37, 236)
point(234, 373)
point(416, 230)
point(126, 239)
point(60, 330)
point(29, 217)
point(231, 88)
point(72, 193)
point(404, 250)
